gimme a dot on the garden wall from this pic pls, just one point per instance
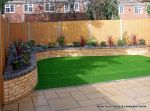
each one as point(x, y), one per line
point(44, 32)
point(92, 52)
point(19, 87)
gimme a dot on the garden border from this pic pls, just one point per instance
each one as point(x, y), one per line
point(18, 86)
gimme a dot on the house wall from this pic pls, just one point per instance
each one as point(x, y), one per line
point(129, 13)
point(38, 8)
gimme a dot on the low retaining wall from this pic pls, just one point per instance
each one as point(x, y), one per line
point(92, 52)
point(17, 86)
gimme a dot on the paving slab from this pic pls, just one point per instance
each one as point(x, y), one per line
point(63, 103)
point(88, 97)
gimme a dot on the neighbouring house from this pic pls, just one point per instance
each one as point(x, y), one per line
point(45, 10)
point(132, 9)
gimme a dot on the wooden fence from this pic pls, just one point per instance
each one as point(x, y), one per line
point(44, 32)
point(2, 57)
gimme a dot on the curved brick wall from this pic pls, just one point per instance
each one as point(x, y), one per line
point(19, 87)
point(92, 52)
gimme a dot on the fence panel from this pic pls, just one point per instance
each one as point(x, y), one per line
point(101, 29)
point(44, 32)
point(2, 57)
point(141, 28)
point(74, 30)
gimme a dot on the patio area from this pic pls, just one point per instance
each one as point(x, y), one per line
point(133, 94)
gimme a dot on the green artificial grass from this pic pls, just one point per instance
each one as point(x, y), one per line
point(71, 71)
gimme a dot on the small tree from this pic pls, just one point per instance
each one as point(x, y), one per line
point(2, 3)
point(148, 8)
point(103, 9)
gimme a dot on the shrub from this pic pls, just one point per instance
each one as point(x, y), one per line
point(61, 41)
point(76, 44)
point(121, 42)
point(134, 39)
point(51, 45)
point(92, 42)
point(82, 41)
point(69, 44)
point(142, 42)
point(110, 41)
point(103, 44)
point(19, 54)
point(44, 47)
point(31, 43)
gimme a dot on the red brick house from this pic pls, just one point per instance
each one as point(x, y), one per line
point(132, 9)
point(22, 10)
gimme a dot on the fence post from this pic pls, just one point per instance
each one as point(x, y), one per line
point(59, 29)
point(121, 29)
point(29, 36)
point(90, 29)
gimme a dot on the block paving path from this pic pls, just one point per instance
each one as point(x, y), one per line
point(109, 96)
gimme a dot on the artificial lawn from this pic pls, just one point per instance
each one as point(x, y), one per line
point(71, 71)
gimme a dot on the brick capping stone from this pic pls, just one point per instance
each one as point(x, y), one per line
point(22, 83)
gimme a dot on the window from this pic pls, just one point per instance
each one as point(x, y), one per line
point(67, 7)
point(76, 6)
point(120, 9)
point(9, 8)
point(28, 7)
point(138, 9)
point(129, 0)
point(49, 7)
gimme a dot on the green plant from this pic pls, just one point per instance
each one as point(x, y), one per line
point(121, 42)
point(92, 42)
point(110, 41)
point(51, 45)
point(61, 40)
point(142, 42)
point(31, 43)
point(103, 44)
point(134, 39)
point(44, 47)
point(82, 41)
point(76, 44)
point(19, 54)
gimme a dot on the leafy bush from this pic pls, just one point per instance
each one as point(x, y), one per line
point(44, 47)
point(121, 42)
point(19, 54)
point(142, 42)
point(61, 40)
point(103, 44)
point(92, 42)
point(82, 41)
point(69, 45)
point(31, 43)
point(134, 40)
point(76, 44)
point(51, 45)
point(110, 41)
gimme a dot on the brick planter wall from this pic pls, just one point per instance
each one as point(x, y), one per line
point(19, 87)
point(92, 52)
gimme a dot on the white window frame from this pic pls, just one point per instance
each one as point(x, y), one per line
point(9, 6)
point(68, 7)
point(119, 9)
point(78, 6)
point(50, 4)
point(28, 5)
point(138, 6)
